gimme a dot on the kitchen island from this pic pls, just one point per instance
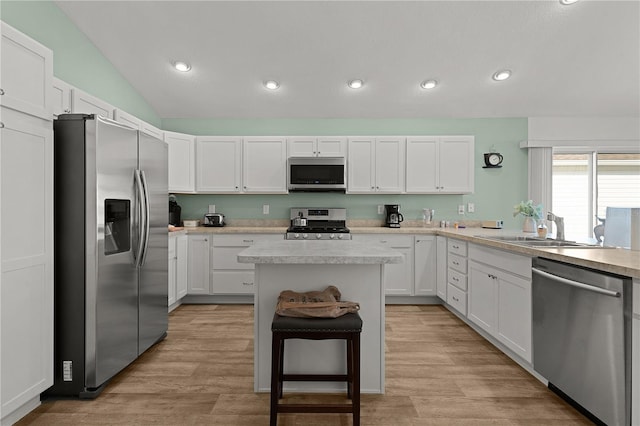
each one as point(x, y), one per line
point(356, 269)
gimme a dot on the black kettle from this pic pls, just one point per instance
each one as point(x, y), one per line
point(174, 213)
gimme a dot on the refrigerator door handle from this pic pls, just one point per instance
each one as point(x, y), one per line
point(147, 220)
point(141, 218)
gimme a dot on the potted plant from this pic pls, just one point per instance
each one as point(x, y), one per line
point(530, 212)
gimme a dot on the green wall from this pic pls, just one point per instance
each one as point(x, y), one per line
point(78, 62)
point(76, 59)
point(496, 190)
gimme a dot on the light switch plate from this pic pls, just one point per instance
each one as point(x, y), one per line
point(380, 209)
point(265, 209)
point(471, 207)
point(461, 209)
point(212, 208)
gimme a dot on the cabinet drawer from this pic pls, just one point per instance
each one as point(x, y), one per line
point(457, 263)
point(457, 279)
point(232, 282)
point(227, 258)
point(457, 299)
point(234, 240)
point(387, 240)
point(510, 262)
point(458, 247)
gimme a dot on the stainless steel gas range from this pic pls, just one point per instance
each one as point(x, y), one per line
point(321, 224)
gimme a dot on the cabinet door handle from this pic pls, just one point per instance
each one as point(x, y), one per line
point(456, 247)
point(246, 283)
point(455, 263)
point(247, 241)
point(454, 298)
point(1, 92)
point(67, 110)
point(1, 125)
point(455, 279)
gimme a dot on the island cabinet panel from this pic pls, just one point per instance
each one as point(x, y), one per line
point(228, 276)
point(198, 260)
point(500, 297)
point(398, 278)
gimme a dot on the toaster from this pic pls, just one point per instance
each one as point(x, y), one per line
point(213, 219)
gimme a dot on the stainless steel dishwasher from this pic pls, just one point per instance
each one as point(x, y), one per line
point(582, 337)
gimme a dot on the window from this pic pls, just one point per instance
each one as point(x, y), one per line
point(584, 184)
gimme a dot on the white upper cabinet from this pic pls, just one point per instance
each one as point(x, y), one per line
point(323, 146)
point(376, 165)
point(264, 165)
point(127, 119)
point(182, 161)
point(62, 93)
point(456, 164)
point(26, 74)
point(84, 103)
point(219, 164)
point(440, 164)
point(151, 130)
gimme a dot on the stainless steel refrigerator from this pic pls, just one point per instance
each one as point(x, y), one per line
point(111, 250)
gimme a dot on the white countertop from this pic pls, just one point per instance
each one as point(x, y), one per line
point(319, 252)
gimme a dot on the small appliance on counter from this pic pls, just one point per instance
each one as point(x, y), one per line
point(213, 219)
point(394, 217)
point(174, 212)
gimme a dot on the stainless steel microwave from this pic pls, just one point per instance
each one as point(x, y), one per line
point(317, 174)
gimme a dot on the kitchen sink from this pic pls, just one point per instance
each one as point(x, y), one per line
point(539, 242)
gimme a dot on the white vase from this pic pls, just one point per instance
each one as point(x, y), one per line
point(529, 224)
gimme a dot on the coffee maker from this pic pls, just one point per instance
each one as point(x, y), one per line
point(394, 217)
point(174, 212)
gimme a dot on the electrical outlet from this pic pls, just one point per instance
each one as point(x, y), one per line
point(265, 209)
point(471, 207)
point(461, 209)
point(212, 208)
point(380, 209)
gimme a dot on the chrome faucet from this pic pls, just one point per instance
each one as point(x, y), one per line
point(559, 221)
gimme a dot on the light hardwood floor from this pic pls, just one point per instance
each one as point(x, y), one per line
point(439, 372)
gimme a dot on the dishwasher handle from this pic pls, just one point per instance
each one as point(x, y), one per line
point(576, 283)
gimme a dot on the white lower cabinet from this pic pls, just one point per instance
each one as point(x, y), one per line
point(398, 277)
point(229, 277)
point(500, 297)
point(441, 267)
point(425, 279)
point(457, 275)
point(178, 268)
point(198, 261)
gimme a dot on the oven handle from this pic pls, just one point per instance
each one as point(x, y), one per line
point(576, 283)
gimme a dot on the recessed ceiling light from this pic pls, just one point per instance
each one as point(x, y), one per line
point(182, 66)
point(502, 75)
point(428, 84)
point(356, 84)
point(568, 2)
point(271, 84)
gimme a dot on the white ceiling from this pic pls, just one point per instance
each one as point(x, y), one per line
point(577, 60)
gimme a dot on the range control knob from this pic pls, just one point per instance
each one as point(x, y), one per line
point(332, 236)
point(318, 236)
point(339, 236)
point(296, 235)
point(305, 236)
